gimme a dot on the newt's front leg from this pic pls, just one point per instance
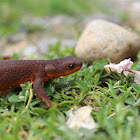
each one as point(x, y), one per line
point(41, 94)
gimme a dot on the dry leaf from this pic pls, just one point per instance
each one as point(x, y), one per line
point(137, 75)
point(124, 66)
point(82, 119)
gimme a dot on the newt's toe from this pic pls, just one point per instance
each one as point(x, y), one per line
point(6, 91)
point(54, 104)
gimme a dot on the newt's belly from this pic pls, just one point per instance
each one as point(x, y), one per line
point(14, 84)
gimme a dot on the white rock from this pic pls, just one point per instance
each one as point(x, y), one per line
point(103, 39)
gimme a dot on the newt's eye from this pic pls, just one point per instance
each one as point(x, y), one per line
point(71, 66)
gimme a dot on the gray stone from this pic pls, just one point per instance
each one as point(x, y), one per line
point(17, 37)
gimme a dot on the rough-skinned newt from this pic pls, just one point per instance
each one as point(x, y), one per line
point(15, 72)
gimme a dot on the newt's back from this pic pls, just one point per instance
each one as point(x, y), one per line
point(15, 72)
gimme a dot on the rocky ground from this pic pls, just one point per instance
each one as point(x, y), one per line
point(48, 30)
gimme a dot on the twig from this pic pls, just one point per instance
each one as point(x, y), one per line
point(30, 98)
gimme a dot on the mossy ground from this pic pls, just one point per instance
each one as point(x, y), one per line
point(115, 101)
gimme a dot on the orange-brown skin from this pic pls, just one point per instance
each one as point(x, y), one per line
point(15, 72)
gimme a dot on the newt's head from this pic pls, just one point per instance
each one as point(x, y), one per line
point(62, 66)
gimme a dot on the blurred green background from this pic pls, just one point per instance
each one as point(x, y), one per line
point(12, 12)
